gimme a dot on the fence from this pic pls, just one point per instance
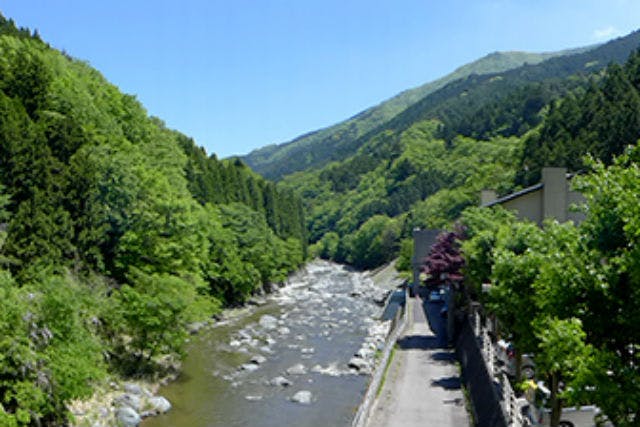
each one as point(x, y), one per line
point(504, 391)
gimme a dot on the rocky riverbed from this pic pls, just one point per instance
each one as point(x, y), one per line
point(300, 356)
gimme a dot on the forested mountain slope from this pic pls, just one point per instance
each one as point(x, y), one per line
point(115, 232)
point(317, 148)
point(507, 103)
point(424, 166)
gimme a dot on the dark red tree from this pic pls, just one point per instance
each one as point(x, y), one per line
point(444, 262)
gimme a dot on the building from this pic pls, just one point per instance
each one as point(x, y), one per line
point(422, 242)
point(551, 198)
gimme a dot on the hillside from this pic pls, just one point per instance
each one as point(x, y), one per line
point(315, 149)
point(116, 233)
point(423, 167)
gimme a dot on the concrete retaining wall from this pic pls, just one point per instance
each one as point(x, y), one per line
point(397, 327)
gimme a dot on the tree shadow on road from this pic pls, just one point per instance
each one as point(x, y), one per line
point(437, 323)
point(419, 342)
point(444, 356)
point(448, 383)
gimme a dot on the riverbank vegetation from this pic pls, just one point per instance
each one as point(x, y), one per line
point(115, 232)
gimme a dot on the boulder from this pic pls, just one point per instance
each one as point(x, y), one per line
point(268, 322)
point(249, 367)
point(360, 364)
point(258, 359)
point(265, 349)
point(297, 369)
point(133, 388)
point(128, 399)
point(149, 413)
point(365, 353)
point(280, 381)
point(331, 370)
point(303, 397)
point(160, 404)
point(194, 328)
point(127, 417)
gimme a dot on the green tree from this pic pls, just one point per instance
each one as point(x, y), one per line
point(517, 262)
point(562, 353)
point(480, 228)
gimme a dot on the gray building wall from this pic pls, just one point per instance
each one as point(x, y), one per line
point(552, 198)
point(422, 242)
point(526, 206)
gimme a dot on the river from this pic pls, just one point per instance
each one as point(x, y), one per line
point(305, 334)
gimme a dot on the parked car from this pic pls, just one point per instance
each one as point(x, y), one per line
point(574, 416)
point(505, 353)
point(437, 295)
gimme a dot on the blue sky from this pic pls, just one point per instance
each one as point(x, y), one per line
point(240, 74)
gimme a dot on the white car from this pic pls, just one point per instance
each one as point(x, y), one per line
point(505, 354)
point(574, 416)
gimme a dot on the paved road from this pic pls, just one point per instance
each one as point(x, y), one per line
point(422, 387)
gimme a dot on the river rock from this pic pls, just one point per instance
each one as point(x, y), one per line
point(280, 381)
point(380, 296)
point(365, 353)
point(308, 350)
point(303, 397)
point(258, 359)
point(253, 397)
point(249, 367)
point(257, 301)
point(194, 328)
point(331, 370)
point(133, 388)
point(283, 330)
point(360, 364)
point(246, 335)
point(127, 417)
point(128, 399)
point(268, 322)
point(149, 413)
point(266, 349)
point(297, 369)
point(160, 404)
point(103, 412)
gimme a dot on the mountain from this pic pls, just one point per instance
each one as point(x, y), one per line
point(426, 164)
point(314, 149)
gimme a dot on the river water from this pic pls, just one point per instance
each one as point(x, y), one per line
point(306, 334)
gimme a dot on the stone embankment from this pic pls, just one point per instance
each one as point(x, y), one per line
point(124, 404)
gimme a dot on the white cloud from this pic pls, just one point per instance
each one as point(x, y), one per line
point(606, 33)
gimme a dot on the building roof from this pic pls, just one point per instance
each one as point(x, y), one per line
point(515, 195)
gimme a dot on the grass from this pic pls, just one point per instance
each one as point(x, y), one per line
point(386, 370)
